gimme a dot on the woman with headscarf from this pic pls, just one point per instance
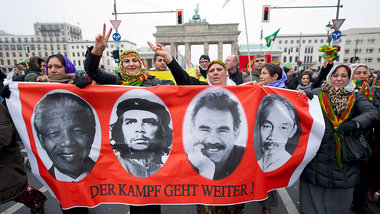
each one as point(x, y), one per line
point(304, 82)
point(369, 175)
point(273, 75)
point(59, 69)
point(131, 69)
point(131, 72)
point(327, 183)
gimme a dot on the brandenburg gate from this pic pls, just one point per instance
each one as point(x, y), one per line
point(198, 33)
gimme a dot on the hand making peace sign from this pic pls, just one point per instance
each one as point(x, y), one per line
point(101, 42)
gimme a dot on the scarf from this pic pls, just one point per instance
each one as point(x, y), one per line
point(130, 78)
point(281, 82)
point(368, 92)
point(304, 87)
point(61, 78)
point(336, 100)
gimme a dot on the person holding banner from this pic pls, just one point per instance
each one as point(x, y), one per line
point(131, 73)
point(131, 69)
point(142, 135)
point(327, 183)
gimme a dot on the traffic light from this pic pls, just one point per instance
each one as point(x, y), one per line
point(115, 55)
point(266, 10)
point(179, 17)
point(299, 63)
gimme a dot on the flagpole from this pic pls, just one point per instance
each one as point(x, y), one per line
point(246, 35)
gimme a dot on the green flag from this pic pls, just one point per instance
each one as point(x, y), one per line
point(271, 38)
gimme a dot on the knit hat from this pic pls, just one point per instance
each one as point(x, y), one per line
point(204, 57)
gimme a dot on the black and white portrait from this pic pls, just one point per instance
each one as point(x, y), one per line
point(68, 132)
point(215, 133)
point(276, 133)
point(141, 132)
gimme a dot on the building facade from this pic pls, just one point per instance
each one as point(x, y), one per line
point(363, 43)
point(52, 38)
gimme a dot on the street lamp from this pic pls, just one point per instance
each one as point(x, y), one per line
point(329, 30)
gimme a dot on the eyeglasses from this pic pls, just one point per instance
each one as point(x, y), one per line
point(260, 60)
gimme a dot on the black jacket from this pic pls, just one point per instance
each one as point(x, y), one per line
point(91, 66)
point(181, 76)
point(323, 170)
point(237, 77)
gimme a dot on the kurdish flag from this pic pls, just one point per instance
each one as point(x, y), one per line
point(271, 38)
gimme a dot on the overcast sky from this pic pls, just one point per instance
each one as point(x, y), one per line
point(17, 17)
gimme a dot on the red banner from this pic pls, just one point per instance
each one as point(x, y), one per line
point(164, 144)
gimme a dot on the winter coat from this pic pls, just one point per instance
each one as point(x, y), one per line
point(323, 170)
point(14, 180)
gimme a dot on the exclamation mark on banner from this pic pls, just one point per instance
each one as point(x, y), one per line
point(253, 184)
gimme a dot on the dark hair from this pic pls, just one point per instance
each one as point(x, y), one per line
point(344, 66)
point(67, 101)
point(274, 69)
point(155, 57)
point(23, 64)
point(262, 114)
point(164, 132)
point(19, 67)
point(259, 56)
point(218, 101)
point(304, 74)
point(35, 60)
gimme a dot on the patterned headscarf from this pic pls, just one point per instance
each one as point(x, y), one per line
point(127, 77)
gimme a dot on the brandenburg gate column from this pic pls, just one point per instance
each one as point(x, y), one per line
point(234, 48)
point(205, 48)
point(220, 51)
point(187, 53)
point(174, 50)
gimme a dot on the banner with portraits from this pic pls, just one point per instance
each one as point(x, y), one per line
point(164, 144)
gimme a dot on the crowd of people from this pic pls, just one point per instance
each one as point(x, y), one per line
point(349, 99)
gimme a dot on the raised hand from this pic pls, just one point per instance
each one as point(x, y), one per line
point(161, 51)
point(101, 42)
point(363, 90)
